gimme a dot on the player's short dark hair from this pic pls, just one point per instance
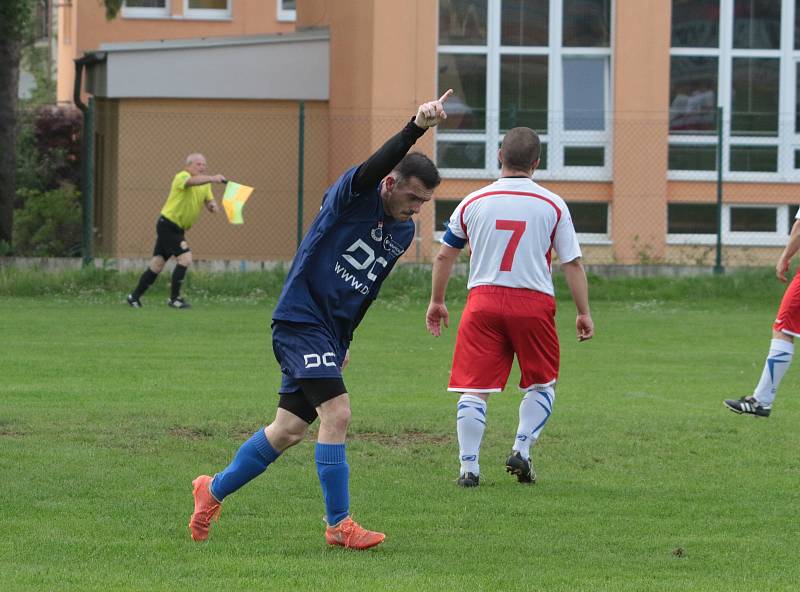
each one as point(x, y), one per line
point(521, 148)
point(416, 164)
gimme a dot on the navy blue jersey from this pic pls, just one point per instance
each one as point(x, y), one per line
point(349, 250)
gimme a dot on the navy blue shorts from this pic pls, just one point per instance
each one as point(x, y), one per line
point(305, 351)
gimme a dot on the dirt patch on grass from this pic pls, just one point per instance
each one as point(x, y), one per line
point(402, 439)
point(10, 433)
point(195, 433)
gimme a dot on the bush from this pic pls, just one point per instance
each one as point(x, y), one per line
point(49, 223)
point(48, 148)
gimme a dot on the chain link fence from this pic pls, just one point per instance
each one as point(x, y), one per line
point(638, 193)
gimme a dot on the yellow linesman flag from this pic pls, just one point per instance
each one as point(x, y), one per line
point(233, 201)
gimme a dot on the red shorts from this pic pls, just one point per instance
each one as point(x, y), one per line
point(788, 320)
point(497, 323)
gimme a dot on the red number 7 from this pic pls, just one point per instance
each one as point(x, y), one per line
point(517, 227)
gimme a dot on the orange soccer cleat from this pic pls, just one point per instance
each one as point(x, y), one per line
point(350, 535)
point(206, 508)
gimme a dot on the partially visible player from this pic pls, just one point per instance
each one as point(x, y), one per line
point(189, 193)
point(785, 328)
point(511, 226)
point(364, 226)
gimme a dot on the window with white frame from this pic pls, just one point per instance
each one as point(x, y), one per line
point(287, 10)
point(742, 55)
point(544, 64)
point(145, 9)
point(207, 9)
point(742, 224)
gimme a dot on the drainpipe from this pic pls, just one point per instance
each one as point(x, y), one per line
point(87, 150)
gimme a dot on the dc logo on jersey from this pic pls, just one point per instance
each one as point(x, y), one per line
point(315, 360)
point(368, 255)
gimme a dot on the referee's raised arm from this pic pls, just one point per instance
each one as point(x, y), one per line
point(381, 163)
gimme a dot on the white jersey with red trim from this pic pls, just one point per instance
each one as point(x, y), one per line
point(511, 226)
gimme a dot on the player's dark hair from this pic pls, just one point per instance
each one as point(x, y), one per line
point(416, 164)
point(521, 148)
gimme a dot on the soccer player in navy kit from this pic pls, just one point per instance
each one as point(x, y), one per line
point(363, 227)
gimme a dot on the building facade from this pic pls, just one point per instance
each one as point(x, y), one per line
point(642, 106)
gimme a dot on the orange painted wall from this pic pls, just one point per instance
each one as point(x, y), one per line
point(641, 97)
point(89, 28)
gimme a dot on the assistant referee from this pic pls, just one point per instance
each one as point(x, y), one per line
point(190, 191)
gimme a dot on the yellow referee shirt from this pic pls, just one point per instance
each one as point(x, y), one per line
point(185, 203)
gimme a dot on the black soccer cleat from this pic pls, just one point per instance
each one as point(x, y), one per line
point(178, 302)
point(133, 301)
point(521, 467)
point(747, 406)
point(469, 480)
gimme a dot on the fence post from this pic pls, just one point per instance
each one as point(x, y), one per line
point(300, 170)
point(718, 268)
point(88, 182)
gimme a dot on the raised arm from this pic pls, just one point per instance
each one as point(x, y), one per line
point(579, 287)
point(380, 164)
point(203, 179)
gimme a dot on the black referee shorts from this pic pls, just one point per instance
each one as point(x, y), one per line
point(170, 239)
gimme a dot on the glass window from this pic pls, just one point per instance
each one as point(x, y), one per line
point(693, 94)
point(753, 219)
point(755, 89)
point(462, 22)
point(691, 218)
point(792, 213)
point(757, 24)
point(589, 217)
point(754, 159)
point(460, 155)
point(523, 92)
point(466, 75)
point(797, 98)
point(584, 93)
point(287, 10)
point(695, 23)
point(145, 8)
point(207, 8)
point(542, 158)
point(587, 23)
point(145, 3)
point(692, 157)
point(524, 22)
point(589, 156)
point(443, 210)
point(208, 4)
point(797, 24)
point(797, 159)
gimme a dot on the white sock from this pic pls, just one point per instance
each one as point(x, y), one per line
point(778, 361)
point(470, 423)
point(534, 411)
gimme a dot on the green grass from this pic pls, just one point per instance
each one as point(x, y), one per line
point(646, 481)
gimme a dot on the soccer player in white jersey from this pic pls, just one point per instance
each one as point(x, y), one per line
point(785, 328)
point(512, 226)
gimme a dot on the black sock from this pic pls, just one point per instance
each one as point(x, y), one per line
point(177, 279)
point(147, 279)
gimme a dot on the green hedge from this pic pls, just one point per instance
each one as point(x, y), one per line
point(407, 284)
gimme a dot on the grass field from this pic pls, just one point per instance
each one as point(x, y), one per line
point(646, 481)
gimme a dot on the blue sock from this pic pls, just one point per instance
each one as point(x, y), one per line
point(334, 476)
point(252, 459)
